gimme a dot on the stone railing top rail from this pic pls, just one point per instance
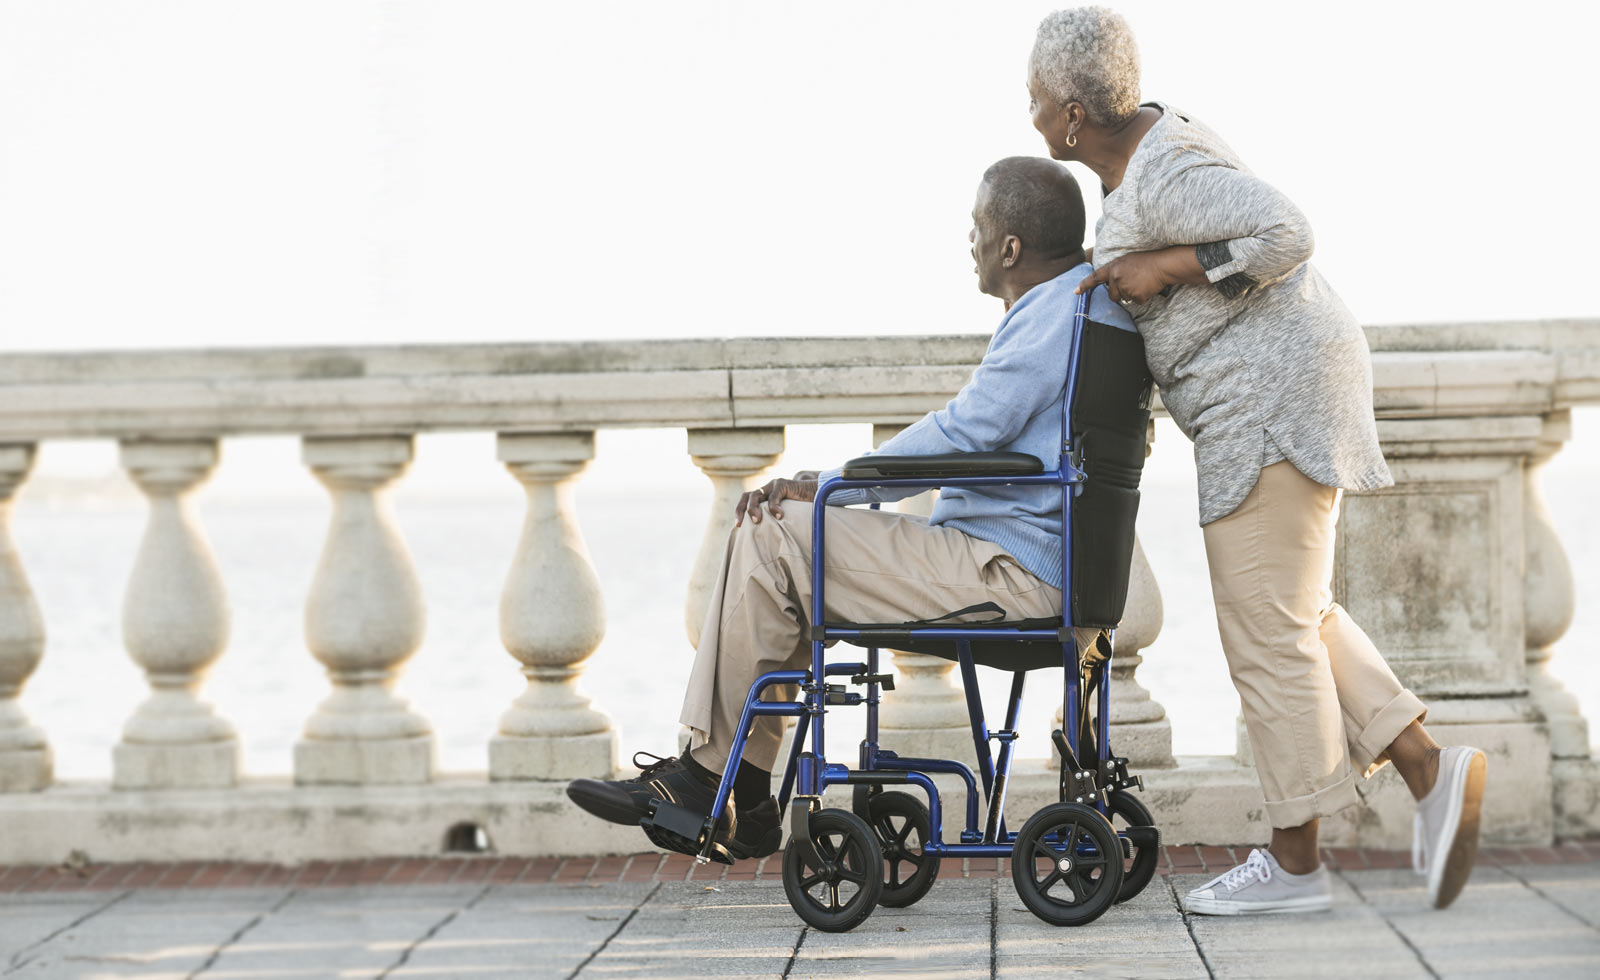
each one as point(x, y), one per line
point(1502, 368)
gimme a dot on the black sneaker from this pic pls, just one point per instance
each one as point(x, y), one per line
point(627, 801)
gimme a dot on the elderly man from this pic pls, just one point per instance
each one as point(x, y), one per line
point(994, 544)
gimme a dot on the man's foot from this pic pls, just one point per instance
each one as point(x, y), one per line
point(1444, 834)
point(1259, 886)
point(751, 832)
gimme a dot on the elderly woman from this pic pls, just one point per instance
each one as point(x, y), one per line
point(1266, 370)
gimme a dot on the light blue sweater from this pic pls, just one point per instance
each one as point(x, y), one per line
point(1012, 403)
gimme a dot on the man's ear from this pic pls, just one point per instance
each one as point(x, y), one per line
point(1010, 251)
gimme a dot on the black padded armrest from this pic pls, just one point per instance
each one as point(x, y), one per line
point(942, 464)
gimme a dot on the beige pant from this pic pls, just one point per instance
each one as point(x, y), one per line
point(1319, 701)
point(882, 567)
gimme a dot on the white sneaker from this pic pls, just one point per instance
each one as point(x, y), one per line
point(1444, 834)
point(1259, 886)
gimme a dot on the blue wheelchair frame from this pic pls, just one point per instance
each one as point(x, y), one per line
point(808, 774)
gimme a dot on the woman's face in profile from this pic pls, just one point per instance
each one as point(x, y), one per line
point(1048, 119)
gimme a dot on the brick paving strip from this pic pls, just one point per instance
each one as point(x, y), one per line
point(650, 867)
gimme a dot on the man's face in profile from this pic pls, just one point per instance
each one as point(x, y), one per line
point(987, 244)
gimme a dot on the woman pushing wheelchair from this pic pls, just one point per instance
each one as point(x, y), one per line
point(1259, 364)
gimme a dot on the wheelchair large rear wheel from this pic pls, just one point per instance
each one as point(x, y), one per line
point(903, 828)
point(1137, 870)
point(839, 896)
point(1067, 864)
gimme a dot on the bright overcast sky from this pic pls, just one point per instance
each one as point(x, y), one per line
point(224, 173)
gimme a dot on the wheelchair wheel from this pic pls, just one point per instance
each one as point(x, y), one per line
point(840, 896)
point(1127, 811)
point(1067, 864)
point(903, 827)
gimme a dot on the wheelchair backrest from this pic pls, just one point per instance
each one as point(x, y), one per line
point(1105, 421)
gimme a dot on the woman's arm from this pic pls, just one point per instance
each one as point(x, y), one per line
point(1245, 231)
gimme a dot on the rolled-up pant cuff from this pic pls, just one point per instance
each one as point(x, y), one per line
point(1371, 749)
point(1313, 806)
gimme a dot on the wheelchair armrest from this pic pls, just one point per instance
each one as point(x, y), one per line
point(942, 465)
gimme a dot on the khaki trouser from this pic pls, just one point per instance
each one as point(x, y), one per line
point(882, 567)
point(1319, 701)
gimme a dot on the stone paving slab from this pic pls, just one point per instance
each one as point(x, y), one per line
point(1516, 918)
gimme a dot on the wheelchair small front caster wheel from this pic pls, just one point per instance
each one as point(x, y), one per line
point(839, 896)
point(1145, 842)
point(1067, 864)
point(903, 828)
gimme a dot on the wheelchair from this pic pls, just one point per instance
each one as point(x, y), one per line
point(1073, 859)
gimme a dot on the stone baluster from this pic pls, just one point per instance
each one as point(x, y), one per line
point(552, 617)
point(25, 761)
point(926, 714)
point(175, 625)
point(1549, 600)
point(734, 459)
point(364, 619)
point(1140, 730)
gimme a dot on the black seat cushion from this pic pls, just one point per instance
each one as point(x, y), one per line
point(942, 464)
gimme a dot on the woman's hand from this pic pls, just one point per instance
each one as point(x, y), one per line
point(772, 493)
point(1137, 276)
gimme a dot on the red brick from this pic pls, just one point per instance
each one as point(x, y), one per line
point(574, 870)
point(407, 871)
point(106, 876)
point(475, 870)
point(676, 867)
point(15, 876)
point(377, 871)
point(441, 872)
point(952, 867)
point(1541, 855)
point(1347, 858)
point(609, 869)
point(1386, 859)
point(1592, 846)
point(142, 875)
point(508, 870)
point(276, 876)
point(1185, 859)
point(643, 867)
point(345, 874)
point(1216, 859)
point(710, 871)
point(210, 875)
point(312, 874)
point(246, 875)
point(45, 880)
point(542, 870)
point(178, 875)
point(770, 868)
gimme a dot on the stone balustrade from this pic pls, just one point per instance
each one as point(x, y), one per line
point(1458, 568)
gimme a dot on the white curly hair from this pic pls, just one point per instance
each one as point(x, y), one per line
point(1088, 55)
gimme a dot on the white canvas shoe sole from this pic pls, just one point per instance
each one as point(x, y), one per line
point(1228, 906)
point(1458, 838)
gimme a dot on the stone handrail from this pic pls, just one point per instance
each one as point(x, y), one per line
point(1468, 413)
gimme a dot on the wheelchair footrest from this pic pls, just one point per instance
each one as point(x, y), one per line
point(678, 821)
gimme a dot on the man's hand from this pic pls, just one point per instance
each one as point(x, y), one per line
point(1137, 276)
point(772, 493)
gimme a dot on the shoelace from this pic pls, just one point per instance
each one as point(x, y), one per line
point(1233, 879)
point(646, 769)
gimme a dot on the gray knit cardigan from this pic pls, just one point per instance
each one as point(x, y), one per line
point(1263, 364)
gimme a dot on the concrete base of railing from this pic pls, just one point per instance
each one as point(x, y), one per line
point(1205, 799)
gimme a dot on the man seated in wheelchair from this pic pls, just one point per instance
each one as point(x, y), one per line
point(999, 544)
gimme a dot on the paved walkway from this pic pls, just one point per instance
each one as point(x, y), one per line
point(1530, 912)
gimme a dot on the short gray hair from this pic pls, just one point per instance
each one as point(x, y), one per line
point(1088, 55)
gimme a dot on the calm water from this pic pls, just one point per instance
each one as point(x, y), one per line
point(78, 557)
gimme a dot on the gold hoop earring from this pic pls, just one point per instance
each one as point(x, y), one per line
point(1072, 140)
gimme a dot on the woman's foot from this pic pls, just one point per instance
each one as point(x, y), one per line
point(1444, 835)
point(1260, 886)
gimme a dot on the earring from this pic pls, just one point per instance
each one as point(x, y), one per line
point(1072, 140)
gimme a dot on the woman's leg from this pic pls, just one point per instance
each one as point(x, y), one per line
point(1269, 563)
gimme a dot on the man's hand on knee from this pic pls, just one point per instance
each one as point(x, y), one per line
point(774, 492)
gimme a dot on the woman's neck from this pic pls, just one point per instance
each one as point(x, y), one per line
point(1109, 155)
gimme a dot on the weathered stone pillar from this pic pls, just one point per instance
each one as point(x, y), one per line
point(1550, 601)
point(364, 620)
point(734, 459)
point(552, 617)
point(25, 760)
point(1432, 568)
point(175, 625)
point(925, 716)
